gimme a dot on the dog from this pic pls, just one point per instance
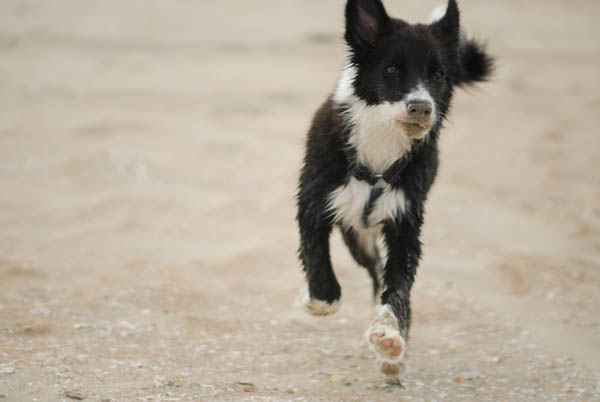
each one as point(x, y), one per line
point(371, 157)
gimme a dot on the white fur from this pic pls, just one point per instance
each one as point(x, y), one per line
point(438, 13)
point(384, 322)
point(421, 93)
point(317, 307)
point(347, 204)
point(388, 206)
point(344, 91)
point(376, 135)
point(384, 319)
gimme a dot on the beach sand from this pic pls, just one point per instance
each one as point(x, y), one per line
point(149, 154)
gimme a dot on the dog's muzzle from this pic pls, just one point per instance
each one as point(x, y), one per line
point(417, 119)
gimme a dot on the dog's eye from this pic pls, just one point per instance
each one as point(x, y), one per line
point(439, 74)
point(391, 70)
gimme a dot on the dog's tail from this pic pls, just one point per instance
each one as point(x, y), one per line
point(476, 65)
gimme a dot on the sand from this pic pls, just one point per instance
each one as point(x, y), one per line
point(149, 154)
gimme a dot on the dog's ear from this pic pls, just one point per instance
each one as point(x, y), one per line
point(473, 62)
point(366, 20)
point(446, 28)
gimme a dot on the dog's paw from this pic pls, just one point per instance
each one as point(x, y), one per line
point(385, 339)
point(315, 306)
point(387, 342)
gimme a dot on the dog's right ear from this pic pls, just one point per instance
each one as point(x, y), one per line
point(366, 20)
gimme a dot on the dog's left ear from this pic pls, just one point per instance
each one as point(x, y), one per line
point(473, 62)
point(447, 28)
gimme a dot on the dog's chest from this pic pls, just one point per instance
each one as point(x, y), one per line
point(347, 204)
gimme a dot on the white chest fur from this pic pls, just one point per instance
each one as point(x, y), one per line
point(347, 204)
point(375, 133)
point(377, 137)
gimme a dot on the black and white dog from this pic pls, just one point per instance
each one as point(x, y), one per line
point(372, 156)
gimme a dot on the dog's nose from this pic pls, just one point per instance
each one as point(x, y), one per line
point(419, 108)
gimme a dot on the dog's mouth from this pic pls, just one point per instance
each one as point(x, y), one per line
point(414, 129)
point(414, 126)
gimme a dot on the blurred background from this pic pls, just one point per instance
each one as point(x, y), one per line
point(149, 154)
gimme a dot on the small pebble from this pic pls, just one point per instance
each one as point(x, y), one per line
point(334, 378)
point(81, 357)
point(249, 388)
point(75, 394)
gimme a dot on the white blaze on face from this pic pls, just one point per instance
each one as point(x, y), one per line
point(421, 94)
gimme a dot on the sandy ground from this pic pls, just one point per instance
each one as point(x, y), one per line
point(149, 153)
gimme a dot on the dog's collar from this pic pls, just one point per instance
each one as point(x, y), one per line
point(387, 178)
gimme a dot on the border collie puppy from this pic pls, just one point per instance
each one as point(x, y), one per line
point(372, 156)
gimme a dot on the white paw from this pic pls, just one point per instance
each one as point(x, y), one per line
point(385, 339)
point(387, 342)
point(316, 307)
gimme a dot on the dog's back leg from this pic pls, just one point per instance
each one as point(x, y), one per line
point(363, 248)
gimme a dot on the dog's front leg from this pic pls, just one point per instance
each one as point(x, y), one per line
point(389, 328)
point(323, 294)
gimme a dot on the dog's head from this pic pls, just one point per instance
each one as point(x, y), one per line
point(408, 70)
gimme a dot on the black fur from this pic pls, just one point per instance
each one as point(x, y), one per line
point(432, 54)
point(325, 167)
point(477, 65)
